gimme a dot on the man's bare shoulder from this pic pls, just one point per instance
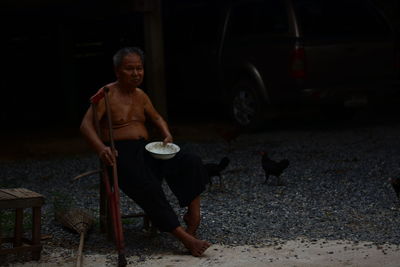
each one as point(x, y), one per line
point(140, 93)
point(112, 86)
point(98, 96)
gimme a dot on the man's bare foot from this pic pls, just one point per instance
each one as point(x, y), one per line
point(197, 246)
point(192, 223)
point(194, 245)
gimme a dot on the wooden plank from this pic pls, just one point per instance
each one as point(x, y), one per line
point(21, 203)
point(5, 195)
point(20, 198)
point(11, 193)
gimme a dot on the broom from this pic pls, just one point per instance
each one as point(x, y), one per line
point(80, 221)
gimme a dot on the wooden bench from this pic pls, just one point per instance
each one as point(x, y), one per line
point(18, 199)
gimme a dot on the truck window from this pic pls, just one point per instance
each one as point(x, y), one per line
point(338, 18)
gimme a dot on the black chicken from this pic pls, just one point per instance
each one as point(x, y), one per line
point(395, 182)
point(215, 169)
point(274, 168)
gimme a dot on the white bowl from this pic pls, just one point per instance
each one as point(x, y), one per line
point(160, 151)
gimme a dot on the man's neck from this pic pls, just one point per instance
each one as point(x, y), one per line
point(125, 89)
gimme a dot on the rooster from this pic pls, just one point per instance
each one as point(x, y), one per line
point(274, 168)
point(395, 182)
point(215, 169)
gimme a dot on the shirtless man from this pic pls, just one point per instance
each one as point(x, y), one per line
point(139, 174)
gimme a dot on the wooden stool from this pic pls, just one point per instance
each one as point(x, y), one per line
point(18, 199)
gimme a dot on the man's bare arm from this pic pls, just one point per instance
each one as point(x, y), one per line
point(158, 120)
point(88, 130)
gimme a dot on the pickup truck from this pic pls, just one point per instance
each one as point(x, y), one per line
point(253, 59)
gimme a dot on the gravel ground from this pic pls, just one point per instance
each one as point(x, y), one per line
point(336, 189)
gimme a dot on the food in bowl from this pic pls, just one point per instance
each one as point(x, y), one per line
point(160, 151)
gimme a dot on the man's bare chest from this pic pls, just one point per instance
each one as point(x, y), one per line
point(127, 110)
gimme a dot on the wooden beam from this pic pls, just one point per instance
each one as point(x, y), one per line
point(154, 48)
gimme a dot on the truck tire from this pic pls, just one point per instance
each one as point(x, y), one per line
point(245, 105)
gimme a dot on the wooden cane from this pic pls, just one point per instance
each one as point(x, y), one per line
point(113, 191)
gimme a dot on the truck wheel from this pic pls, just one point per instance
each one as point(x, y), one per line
point(245, 105)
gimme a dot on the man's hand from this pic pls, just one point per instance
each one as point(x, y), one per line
point(107, 156)
point(168, 139)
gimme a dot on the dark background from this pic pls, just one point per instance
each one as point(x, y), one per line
point(55, 56)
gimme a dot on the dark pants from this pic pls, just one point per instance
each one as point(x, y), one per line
point(140, 177)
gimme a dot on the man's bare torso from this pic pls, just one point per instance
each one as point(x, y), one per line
point(127, 115)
